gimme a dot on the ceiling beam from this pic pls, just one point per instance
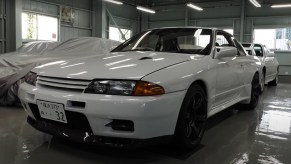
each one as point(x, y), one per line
point(167, 3)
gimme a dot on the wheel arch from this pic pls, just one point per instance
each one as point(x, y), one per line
point(264, 70)
point(203, 84)
point(257, 72)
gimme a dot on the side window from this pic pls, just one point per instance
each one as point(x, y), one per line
point(249, 52)
point(223, 39)
point(258, 49)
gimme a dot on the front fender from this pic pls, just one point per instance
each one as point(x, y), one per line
point(180, 77)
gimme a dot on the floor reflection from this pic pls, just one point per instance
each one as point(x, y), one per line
point(271, 141)
point(232, 136)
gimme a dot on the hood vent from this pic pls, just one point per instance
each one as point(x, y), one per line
point(145, 58)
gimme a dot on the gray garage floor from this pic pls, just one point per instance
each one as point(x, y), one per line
point(259, 136)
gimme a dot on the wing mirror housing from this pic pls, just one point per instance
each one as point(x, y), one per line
point(222, 52)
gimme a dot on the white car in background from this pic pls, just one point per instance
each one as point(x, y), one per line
point(270, 65)
point(162, 82)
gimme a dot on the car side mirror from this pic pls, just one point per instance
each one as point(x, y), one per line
point(222, 52)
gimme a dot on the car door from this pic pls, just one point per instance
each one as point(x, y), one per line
point(249, 66)
point(271, 63)
point(228, 71)
point(265, 60)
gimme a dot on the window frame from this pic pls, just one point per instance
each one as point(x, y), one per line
point(121, 28)
point(262, 49)
point(269, 27)
point(41, 14)
point(227, 36)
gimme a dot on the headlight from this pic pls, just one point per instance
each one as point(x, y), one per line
point(31, 78)
point(124, 87)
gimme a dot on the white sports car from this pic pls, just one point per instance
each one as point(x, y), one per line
point(270, 65)
point(160, 83)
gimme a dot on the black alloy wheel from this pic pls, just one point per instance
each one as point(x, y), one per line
point(192, 118)
point(255, 94)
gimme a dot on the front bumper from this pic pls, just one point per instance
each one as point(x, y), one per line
point(87, 137)
point(152, 117)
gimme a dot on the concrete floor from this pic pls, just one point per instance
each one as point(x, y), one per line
point(233, 136)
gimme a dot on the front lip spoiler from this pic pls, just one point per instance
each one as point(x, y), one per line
point(84, 137)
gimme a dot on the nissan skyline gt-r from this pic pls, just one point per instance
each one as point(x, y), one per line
point(270, 65)
point(14, 66)
point(160, 83)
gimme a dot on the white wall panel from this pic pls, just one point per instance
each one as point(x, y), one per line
point(82, 14)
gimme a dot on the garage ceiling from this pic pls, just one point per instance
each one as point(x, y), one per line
point(203, 3)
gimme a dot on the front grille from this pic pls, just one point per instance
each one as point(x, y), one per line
point(75, 120)
point(63, 83)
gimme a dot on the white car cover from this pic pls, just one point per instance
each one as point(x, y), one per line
point(15, 65)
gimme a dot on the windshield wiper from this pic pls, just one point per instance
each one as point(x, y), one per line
point(140, 49)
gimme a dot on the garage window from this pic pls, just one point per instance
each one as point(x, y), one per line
point(229, 30)
point(114, 34)
point(277, 39)
point(39, 27)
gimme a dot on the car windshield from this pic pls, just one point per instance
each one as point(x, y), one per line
point(173, 40)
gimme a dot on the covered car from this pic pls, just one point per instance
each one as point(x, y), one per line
point(14, 66)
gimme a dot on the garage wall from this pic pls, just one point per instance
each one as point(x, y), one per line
point(284, 59)
point(10, 25)
point(86, 16)
point(124, 16)
point(3, 9)
point(222, 17)
point(181, 15)
point(82, 25)
point(91, 18)
point(228, 17)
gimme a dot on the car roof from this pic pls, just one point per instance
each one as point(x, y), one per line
point(209, 28)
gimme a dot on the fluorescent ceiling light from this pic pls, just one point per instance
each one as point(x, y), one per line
point(255, 3)
point(113, 1)
point(281, 6)
point(146, 9)
point(194, 6)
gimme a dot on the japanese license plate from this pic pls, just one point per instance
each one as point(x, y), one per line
point(52, 111)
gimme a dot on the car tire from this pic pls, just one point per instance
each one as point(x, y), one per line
point(263, 83)
point(255, 94)
point(275, 81)
point(192, 118)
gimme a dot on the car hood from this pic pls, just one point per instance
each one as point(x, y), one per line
point(118, 65)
